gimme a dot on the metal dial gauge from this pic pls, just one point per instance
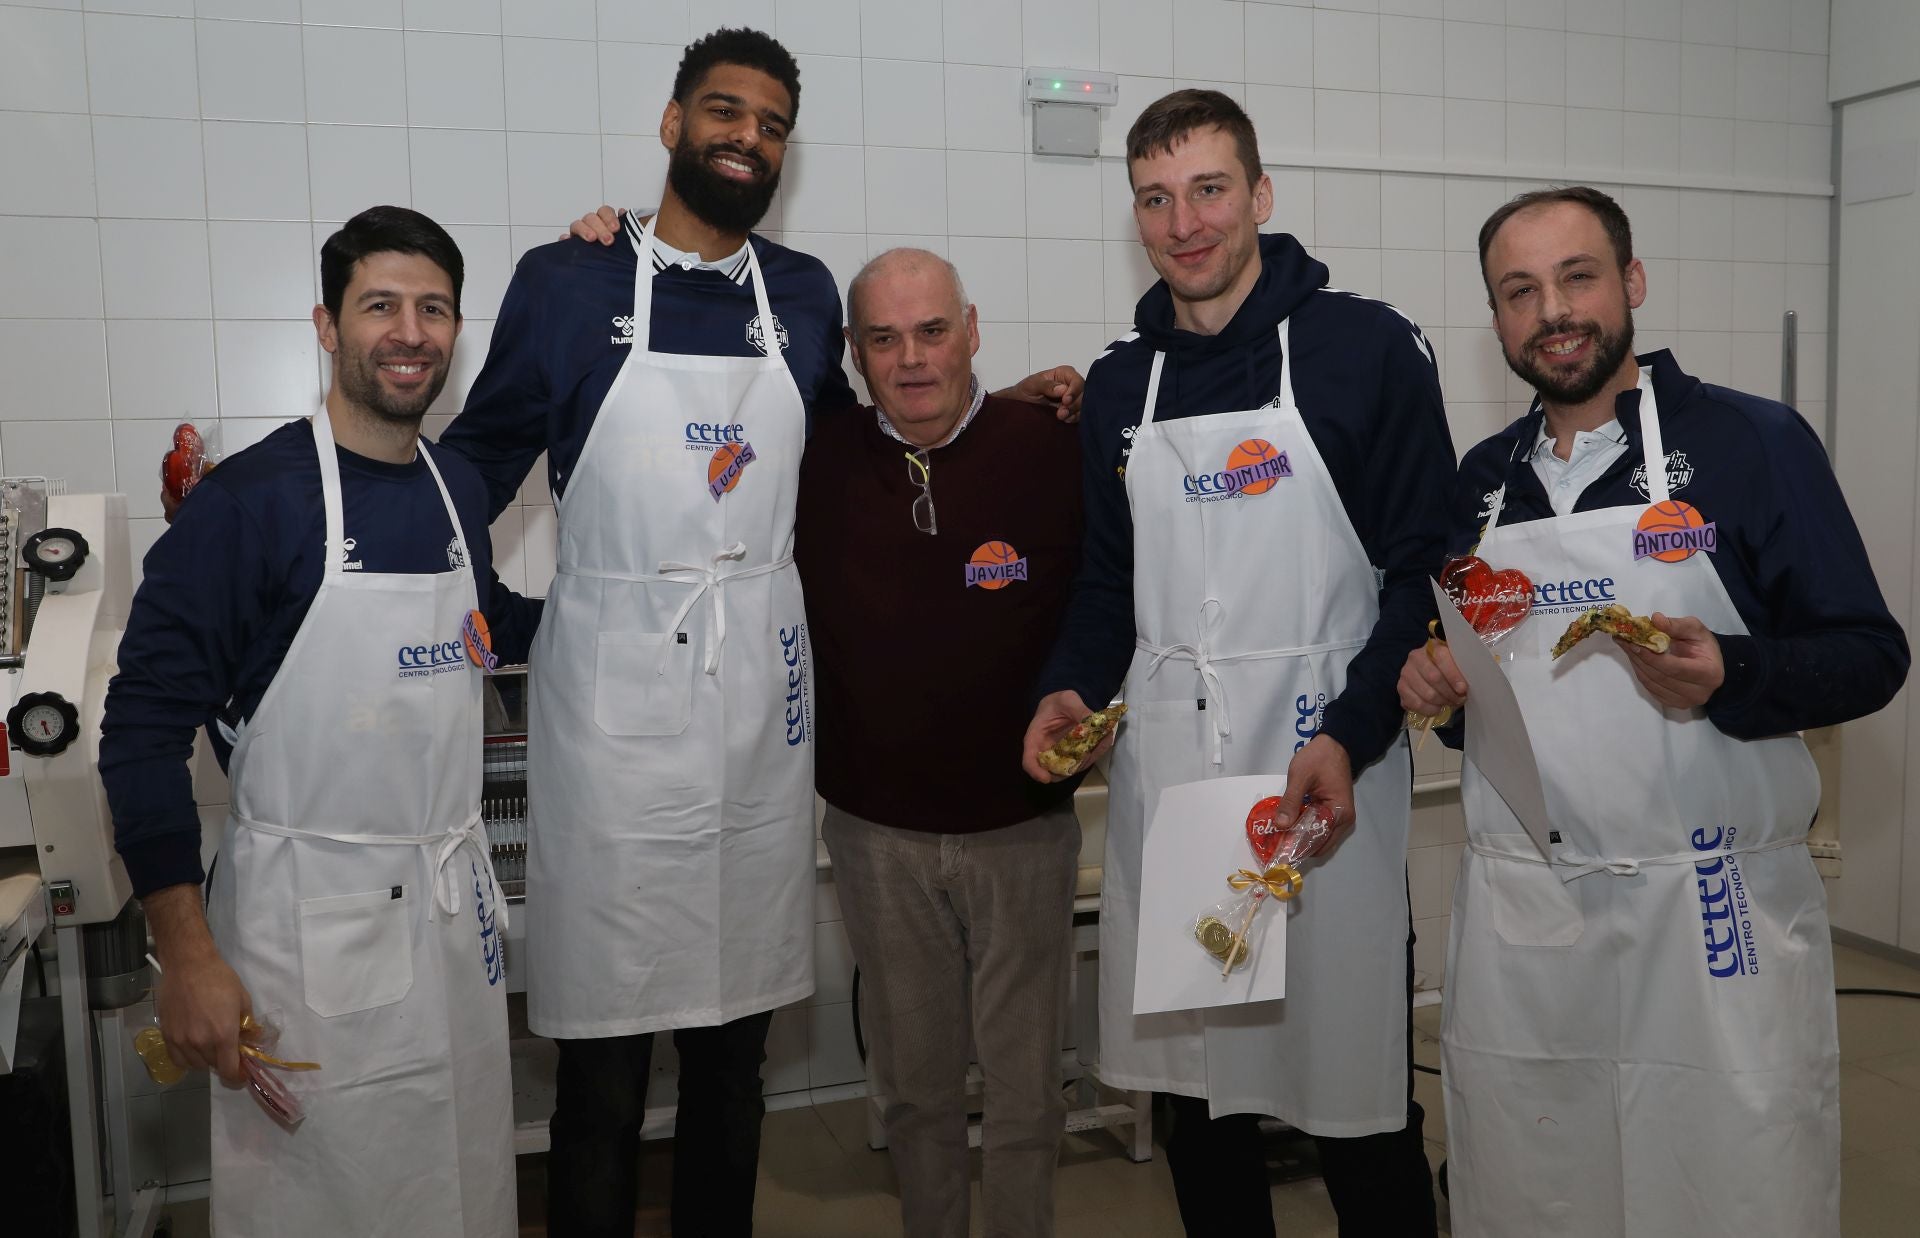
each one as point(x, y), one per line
point(55, 553)
point(42, 724)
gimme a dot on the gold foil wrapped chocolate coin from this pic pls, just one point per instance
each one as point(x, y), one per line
point(1216, 939)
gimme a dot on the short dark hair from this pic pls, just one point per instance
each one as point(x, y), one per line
point(1611, 217)
point(749, 48)
point(385, 230)
point(1171, 118)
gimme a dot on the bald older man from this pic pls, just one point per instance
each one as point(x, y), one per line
point(937, 535)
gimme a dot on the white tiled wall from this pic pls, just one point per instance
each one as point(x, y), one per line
point(169, 167)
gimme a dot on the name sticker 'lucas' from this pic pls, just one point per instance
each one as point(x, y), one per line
point(725, 466)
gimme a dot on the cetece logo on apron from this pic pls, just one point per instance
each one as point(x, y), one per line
point(995, 565)
point(1673, 532)
point(731, 453)
point(493, 955)
point(796, 657)
point(1308, 713)
point(421, 661)
point(1724, 909)
point(1253, 467)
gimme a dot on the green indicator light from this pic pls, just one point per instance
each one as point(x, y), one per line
point(1056, 85)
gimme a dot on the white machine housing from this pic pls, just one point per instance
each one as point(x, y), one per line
point(72, 651)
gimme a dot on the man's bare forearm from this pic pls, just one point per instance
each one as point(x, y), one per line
point(179, 924)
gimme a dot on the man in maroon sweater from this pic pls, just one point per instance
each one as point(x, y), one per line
point(937, 536)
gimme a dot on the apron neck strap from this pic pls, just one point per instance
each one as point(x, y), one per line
point(336, 520)
point(1651, 449)
point(330, 493)
point(643, 273)
point(1160, 360)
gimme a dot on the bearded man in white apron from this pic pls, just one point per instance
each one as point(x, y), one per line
point(1640, 1036)
point(1259, 627)
point(668, 375)
point(317, 596)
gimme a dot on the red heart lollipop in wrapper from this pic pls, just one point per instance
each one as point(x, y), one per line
point(1274, 843)
point(1494, 603)
point(1222, 930)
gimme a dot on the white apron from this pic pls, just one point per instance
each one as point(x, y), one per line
point(1248, 607)
point(1640, 1039)
point(355, 899)
point(670, 763)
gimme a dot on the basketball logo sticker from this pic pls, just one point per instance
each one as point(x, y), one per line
point(1673, 532)
point(995, 565)
point(725, 466)
point(1254, 466)
point(478, 639)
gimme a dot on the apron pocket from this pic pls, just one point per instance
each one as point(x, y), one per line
point(356, 950)
point(1528, 903)
point(643, 683)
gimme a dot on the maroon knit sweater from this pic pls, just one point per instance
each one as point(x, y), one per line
point(926, 649)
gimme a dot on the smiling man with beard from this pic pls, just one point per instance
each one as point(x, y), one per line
point(669, 377)
point(311, 601)
point(1640, 1029)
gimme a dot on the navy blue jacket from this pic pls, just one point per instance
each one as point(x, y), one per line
point(560, 340)
point(224, 591)
point(1822, 647)
point(1365, 381)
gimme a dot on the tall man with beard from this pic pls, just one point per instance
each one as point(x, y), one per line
point(669, 377)
point(314, 599)
point(1640, 1028)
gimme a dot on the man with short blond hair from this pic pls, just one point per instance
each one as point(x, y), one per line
point(936, 536)
point(1258, 626)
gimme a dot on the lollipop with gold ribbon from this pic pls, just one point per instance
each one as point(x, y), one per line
point(1278, 850)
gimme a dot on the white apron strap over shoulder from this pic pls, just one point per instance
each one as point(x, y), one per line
point(1212, 619)
point(335, 565)
point(643, 292)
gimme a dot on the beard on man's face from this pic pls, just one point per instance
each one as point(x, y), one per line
point(731, 206)
point(1578, 385)
point(358, 374)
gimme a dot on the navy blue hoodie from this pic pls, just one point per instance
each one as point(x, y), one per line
point(1368, 391)
point(565, 327)
point(225, 590)
point(1822, 647)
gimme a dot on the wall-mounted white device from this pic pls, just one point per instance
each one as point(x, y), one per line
point(1066, 109)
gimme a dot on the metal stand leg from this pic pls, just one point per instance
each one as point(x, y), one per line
point(1140, 1146)
point(113, 1083)
point(82, 1101)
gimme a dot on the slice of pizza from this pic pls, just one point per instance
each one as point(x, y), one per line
point(1614, 620)
point(1081, 738)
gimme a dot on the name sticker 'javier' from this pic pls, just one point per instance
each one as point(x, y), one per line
point(995, 565)
point(1673, 532)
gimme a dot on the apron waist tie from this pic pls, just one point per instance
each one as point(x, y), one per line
point(1577, 866)
point(1206, 661)
point(446, 845)
point(673, 572)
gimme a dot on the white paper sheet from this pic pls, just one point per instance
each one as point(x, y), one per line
point(1195, 840)
point(1497, 738)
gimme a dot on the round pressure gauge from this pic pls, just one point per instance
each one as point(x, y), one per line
point(43, 723)
point(55, 553)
